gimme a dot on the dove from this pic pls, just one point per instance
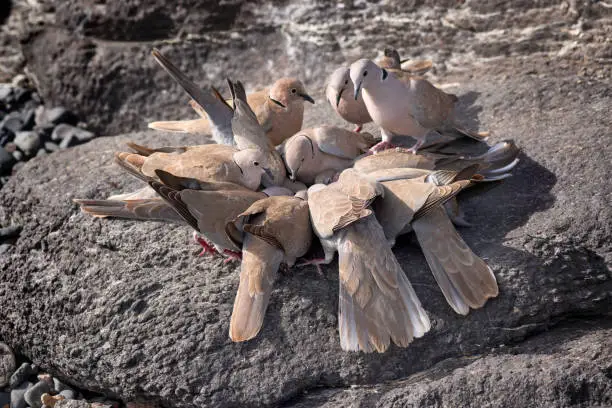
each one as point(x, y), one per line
point(276, 230)
point(340, 96)
point(322, 151)
point(377, 303)
point(279, 109)
point(414, 204)
point(205, 163)
point(391, 61)
point(412, 108)
point(497, 161)
point(340, 86)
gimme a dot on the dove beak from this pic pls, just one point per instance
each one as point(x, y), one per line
point(339, 96)
point(357, 89)
point(307, 97)
point(292, 176)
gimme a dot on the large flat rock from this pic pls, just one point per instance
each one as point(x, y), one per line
point(128, 307)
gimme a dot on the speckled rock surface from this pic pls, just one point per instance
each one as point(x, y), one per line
point(100, 50)
point(129, 308)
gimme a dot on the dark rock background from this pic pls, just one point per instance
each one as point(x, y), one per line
point(128, 308)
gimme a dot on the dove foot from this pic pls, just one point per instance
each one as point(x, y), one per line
point(358, 129)
point(416, 146)
point(232, 255)
point(206, 247)
point(317, 262)
point(380, 146)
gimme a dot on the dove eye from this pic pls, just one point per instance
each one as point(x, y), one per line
point(256, 163)
point(346, 82)
point(365, 73)
point(293, 90)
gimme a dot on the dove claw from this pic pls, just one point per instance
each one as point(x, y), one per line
point(232, 256)
point(358, 129)
point(317, 263)
point(379, 147)
point(206, 247)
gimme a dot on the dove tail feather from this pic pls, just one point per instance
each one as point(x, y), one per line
point(194, 126)
point(377, 302)
point(478, 136)
point(131, 163)
point(464, 278)
point(260, 263)
point(153, 209)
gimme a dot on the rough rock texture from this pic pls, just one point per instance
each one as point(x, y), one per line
point(101, 49)
point(129, 309)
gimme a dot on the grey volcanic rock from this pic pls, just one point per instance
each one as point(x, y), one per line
point(128, 308)
point(94, 59)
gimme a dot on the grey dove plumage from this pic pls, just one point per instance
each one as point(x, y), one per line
point(312, 155)
point(403, 108)
point(278, 109)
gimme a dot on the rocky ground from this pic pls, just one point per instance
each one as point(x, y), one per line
point(128, 309)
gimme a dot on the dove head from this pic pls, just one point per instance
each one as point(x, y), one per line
point(364, 73)
point(287, 91)
point(390, 59)
point(252, 164)
point(339, 82)
point(299, 151)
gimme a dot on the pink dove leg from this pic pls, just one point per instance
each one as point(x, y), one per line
point(206, 247)
point(380, 146)
point(232, 255)
point(358, 129)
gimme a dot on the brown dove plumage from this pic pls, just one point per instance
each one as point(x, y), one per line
point(276, 229)
point(279, 109)
point(377, 304)
point(414, 203)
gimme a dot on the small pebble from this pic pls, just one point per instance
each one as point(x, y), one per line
point(13, 122)
point(67, 393)
point(28, 119)
point(20, 81)
point(41, 152)
point(10, 147)
point(20, 375)
point(59, 386)
point(18, 395)
point(6, 93)
point(6, 161)
point(28, 141)
point(56, 116)
point(51, 400)
point(33, 394)
point(51, 147)
point(63, 131)
point(7, 358)
point(18, 155)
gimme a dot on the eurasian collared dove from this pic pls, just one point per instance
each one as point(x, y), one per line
point(391, 61)
point(276, 229)
point(404, 108)
point(322, 151)
point(377, 302)
point(414, 204)
point(339, 88)
point(279, 109)
point(496, 162)
point(339, 94)
point(204, 163)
